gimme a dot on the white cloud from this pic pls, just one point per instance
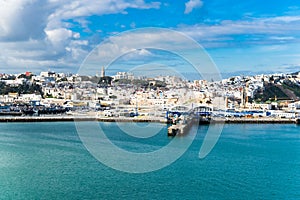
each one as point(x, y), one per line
point(22, 19)
point(191, 5)
point(34, 33)
point(124, 44)
point(145, 45)
point(56, 36)
point(257, 30)
point(282, 38)
point(285, 19)
point(137, 54)
point(76, 35)
point(72, 9)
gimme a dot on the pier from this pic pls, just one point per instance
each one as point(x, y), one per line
point(181, 128)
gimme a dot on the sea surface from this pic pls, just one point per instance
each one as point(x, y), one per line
point(249, 161)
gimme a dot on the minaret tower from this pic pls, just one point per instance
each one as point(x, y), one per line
point(102, 72)
point(246, 94)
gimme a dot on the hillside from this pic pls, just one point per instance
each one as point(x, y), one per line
point(294, 88)
point(284, 91)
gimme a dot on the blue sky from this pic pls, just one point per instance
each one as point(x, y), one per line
point(241, 37)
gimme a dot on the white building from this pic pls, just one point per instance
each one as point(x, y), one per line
point(294, 106)
point(282, 114)
point(124, 75)
point(18, 81)
point(7, 99)
point(29, 97)
point(48, 74)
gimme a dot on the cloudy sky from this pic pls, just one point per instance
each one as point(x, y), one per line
point(240, 36)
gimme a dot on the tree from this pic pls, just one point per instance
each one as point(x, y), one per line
point(105, 81)
point(26, 77)
point(24, 88)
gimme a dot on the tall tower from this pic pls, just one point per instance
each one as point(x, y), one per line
point(226, 102)
point(246, 93)
point(242, 91)
point(102, 72)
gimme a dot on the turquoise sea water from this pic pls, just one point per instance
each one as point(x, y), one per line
point(48, 161)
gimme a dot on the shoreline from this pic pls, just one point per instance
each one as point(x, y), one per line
point(9, 119)
point(256, 121)
point(77, 118)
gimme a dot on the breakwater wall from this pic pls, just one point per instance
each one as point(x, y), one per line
point(77, 118)
point(265, 120)
point(154, 119)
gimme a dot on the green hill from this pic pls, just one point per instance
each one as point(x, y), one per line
point(285, 91)
point(292, 87)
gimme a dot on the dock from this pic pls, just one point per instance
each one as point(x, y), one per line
point(180, 128)
point(183, 128)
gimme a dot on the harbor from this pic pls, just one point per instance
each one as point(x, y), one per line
point(180, 118)
point(124, 97)
point(264, 120)
point(178, 127)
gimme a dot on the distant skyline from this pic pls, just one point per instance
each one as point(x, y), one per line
point(240, 36)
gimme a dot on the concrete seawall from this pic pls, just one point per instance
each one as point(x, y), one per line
point(77, 118)
point(264, 120)
point(152, 119)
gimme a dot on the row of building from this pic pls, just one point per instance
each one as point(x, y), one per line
point(74, 90)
